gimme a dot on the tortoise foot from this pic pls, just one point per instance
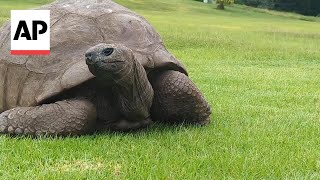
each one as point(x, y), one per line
point(69, 117)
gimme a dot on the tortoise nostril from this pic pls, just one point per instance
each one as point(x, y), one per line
point(89, 58)
point(88, 55)
point(107, 51)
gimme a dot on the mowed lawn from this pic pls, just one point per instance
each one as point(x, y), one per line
point(259, 70)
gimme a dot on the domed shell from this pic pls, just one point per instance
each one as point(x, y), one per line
point(75, 27)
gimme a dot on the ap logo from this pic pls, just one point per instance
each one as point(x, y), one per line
point(30, 32)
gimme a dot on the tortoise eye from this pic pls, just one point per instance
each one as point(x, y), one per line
point(107, 51)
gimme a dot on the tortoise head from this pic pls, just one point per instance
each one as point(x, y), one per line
point(110, 61)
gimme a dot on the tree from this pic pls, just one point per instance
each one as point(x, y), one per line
point(221, 3)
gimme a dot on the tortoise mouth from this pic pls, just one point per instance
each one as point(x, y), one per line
point(92, 61)
point(114, 61)
point(107, 67)
point(107, 64)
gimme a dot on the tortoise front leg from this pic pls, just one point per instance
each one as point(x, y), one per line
point(177, 100)
point(69, 117)
point(110, 118)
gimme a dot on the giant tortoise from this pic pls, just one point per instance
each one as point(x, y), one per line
point(108, 69)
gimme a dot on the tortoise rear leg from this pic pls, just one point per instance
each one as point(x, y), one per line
point(177, 100)
point(69, 117)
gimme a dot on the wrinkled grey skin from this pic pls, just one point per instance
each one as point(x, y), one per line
point(108, 69)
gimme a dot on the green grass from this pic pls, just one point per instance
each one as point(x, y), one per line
point(260, 71)
point(7, 5)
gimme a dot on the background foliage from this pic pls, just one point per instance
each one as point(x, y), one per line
point(307, 7)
